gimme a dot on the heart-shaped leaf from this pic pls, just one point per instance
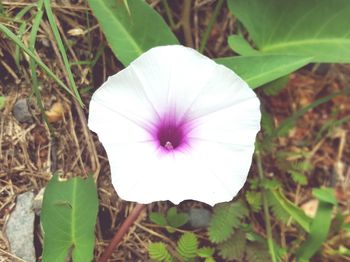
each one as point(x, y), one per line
point(68, 218)
point(312, 28)
point(131, 29)
point(257, 70)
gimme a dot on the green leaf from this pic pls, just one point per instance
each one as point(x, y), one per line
point(226, 217)
point(256, 251)
point(68, 219)
point(159, 252)
point(312, 28)
point(275, 87)
point(175, 219)
point(325, 195)
point(257, 70)
point(234, 247)
point(238, 44)
point(267, 123)
point(2, 102)
point(254, 200)
point(187, 246)
point(346, 227)
point(299, 178)
point(131, 31)
point(278, 200)
point(320, 225)
point(158, 219)
point(205, 252)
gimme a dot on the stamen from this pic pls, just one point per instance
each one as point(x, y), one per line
point(168, 145)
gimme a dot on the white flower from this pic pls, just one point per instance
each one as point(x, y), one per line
point(176, 126)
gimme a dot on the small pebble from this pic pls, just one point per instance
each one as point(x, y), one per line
point(20, 228)
point(199, 217)
point(21, 111)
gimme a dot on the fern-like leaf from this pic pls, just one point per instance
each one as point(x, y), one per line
point(205, 252)
point(254, 200)
point(299, 178)
point(226, 217)
point(176, 219)
point(234, 247)
point(158, 252)
point(277, 209)
point(187, 246)
point(158, 219)
point(256, 251)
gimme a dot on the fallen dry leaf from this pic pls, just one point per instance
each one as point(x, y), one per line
point(55, 113)
point(310, 207)
point(76, 32)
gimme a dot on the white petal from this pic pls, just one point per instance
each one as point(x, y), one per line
point(173, 76)
point(143, 175)
point(113, 128)
point(223, 89)
point(123, 94)
point(237, 124)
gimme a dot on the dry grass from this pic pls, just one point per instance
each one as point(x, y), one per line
point(29, 153)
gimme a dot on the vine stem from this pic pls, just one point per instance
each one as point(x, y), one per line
point(135, 213)
point(186, 22)
point(205, 37)
point(266, 209)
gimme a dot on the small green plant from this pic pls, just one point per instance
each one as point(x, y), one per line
point(235, 239)
point(171, 220)
point(186, 250)
point(158, 251)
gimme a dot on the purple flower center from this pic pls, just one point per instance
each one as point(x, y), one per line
point(171, 134)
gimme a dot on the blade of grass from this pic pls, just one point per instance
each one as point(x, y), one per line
point(22, 28)
point(289, 122)
point(169, 14)
point(205, 37)
point(24, 10)
point(51, 18)
point(32, 64)
point(18, 42)
point(271, 245)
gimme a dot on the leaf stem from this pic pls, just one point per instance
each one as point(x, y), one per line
point(205, 37)
point(122, 231)
point(266, 209)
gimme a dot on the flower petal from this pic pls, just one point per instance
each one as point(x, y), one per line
point(237, 124)
point(176, 177)
point(114, 128)
point(173, 76)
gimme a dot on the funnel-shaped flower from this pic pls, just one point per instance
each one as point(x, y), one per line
point(176, 126)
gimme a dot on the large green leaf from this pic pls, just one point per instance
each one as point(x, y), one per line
point(131, 29)
point(257, 70)
point(68, 218)
point(312, 28)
